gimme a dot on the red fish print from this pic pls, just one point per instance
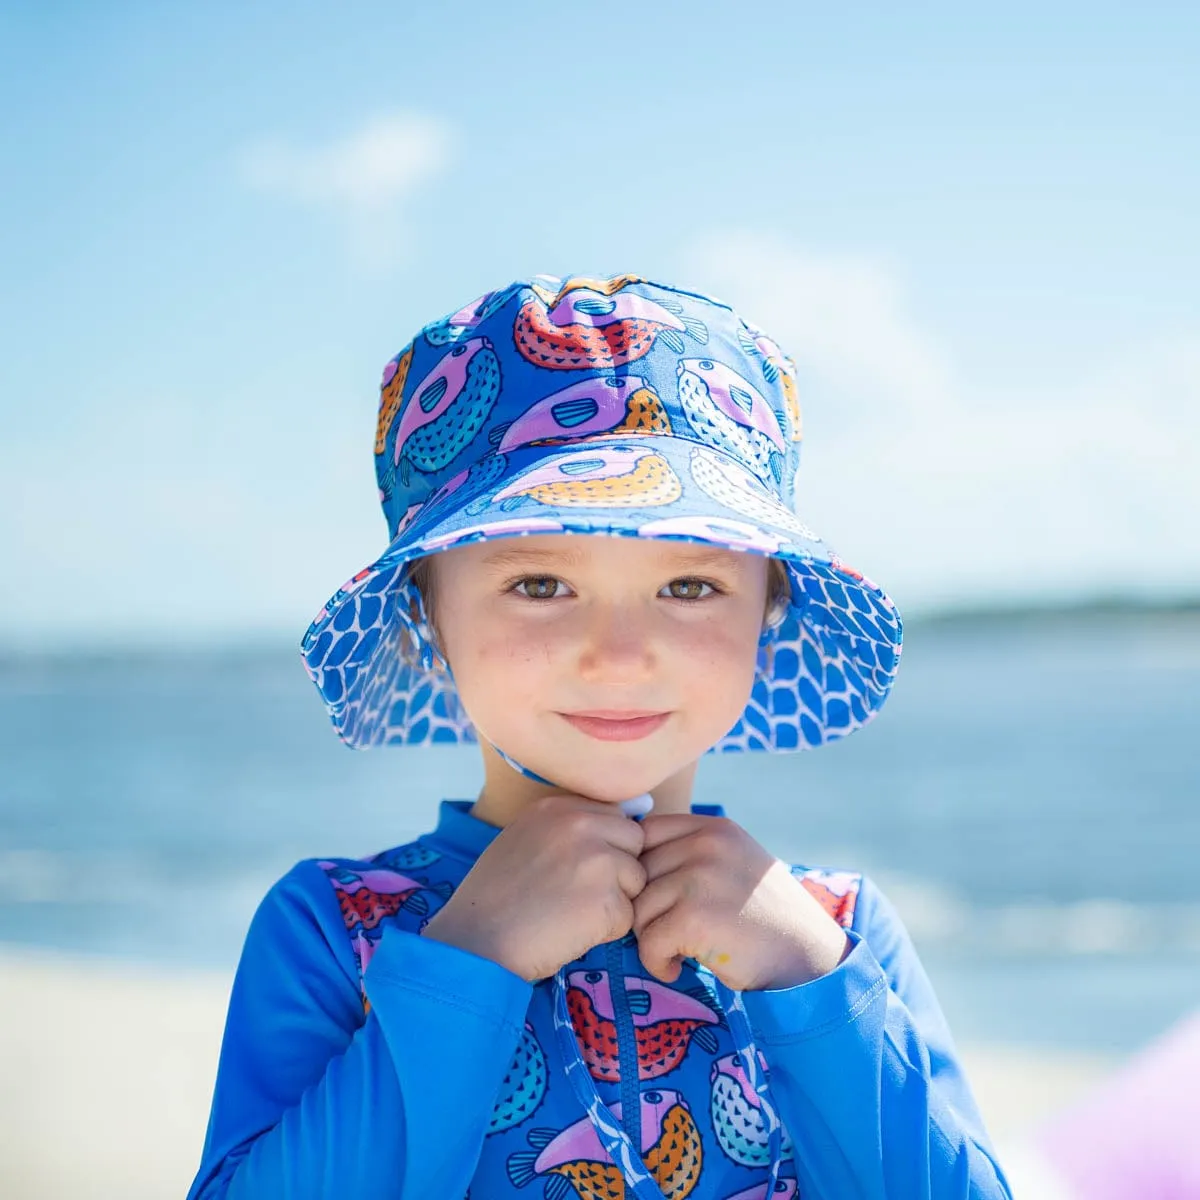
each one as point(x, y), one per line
point(836, 891)
point(665, 1022)
point(586, 325)
point(366, 897)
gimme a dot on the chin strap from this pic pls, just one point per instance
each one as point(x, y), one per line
point(516, 766)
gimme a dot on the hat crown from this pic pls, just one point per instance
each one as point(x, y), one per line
point(569, 363)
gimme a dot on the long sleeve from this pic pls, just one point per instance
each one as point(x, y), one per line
point(311, 1100)
point(865, 1074)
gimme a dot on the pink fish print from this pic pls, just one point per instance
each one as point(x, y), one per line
point(599, 405)
point(591, 323)
point(447, 408)
point(837, 891)
point(665, 1022)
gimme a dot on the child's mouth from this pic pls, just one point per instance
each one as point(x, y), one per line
point(613, 726)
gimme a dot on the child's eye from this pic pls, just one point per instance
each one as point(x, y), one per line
point(689, 589)
point(539, 587)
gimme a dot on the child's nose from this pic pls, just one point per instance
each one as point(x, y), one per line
point(616, 647)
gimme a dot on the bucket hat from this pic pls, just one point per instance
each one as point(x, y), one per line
point(611, 406)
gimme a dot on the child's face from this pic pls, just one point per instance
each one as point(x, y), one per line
point(539, 629)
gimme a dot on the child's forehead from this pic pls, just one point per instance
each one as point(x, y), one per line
point(567, 551)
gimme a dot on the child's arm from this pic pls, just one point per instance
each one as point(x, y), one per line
point(865, 1074)
point(313, 1101)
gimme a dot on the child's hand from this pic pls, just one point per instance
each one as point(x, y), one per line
point(557, 881)
point(715, 895)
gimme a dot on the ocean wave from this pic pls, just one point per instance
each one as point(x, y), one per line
point(943, 919)
point(129, 891)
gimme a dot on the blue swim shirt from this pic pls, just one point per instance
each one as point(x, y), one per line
point(361, 1059)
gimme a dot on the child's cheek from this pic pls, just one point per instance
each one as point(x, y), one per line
point(503, 666)
point(715, 663)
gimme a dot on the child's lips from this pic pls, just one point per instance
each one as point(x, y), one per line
point(614, 725)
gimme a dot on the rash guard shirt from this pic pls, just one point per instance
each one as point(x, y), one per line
point(362, 1059)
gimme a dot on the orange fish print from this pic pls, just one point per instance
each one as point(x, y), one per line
point(575, 1158)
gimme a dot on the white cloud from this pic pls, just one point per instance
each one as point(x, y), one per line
point(946, 489)
point(842, 318)
point(365, 177)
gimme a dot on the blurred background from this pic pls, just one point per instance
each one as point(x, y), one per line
point(973, 230)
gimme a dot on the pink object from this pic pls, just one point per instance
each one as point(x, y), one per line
point(543, 419)
point(605, 730)
point(580, 1143)
point(448, 377)
point(665, 1004)
point(381, 881)
point(584, 307)
point(1138, 1134)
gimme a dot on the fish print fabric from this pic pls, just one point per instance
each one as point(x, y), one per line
point(615, 406)
point(362, 1059)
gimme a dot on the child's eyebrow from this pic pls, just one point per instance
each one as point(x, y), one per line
point(689, 558)
point(519, 555)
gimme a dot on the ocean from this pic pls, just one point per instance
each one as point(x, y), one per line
point(1027, 798)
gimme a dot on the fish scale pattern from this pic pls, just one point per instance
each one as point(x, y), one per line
point(699, 472)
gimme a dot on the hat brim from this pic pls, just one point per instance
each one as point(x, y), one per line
point(824, 670)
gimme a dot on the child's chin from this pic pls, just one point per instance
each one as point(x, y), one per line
point(611, 782)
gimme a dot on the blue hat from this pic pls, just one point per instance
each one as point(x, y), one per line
point(614, 406)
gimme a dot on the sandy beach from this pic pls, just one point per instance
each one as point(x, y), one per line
point(106, 1072)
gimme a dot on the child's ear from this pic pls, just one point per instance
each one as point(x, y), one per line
point(779, 593)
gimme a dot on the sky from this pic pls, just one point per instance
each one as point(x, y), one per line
point(975, 231)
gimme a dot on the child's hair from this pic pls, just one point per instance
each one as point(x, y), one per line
point(421, 576)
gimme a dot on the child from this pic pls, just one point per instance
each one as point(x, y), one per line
point(543, 997)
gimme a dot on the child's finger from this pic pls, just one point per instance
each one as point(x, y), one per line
point(656, 898)
point(618, 830)
point(659, 946)
point(665, 827)
point(666, 857)
point(625, 835)
point(631, 876)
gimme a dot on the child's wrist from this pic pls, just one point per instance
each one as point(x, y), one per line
point(811, 963)
point(444, 929)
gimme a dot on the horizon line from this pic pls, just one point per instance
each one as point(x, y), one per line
point(263, 641)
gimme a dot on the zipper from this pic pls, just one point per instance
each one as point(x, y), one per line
point(627, 1053)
